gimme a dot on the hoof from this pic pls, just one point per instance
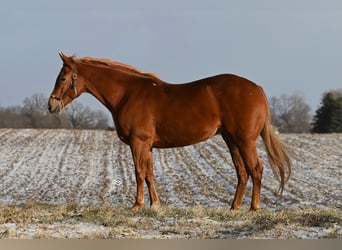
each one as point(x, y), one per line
point(254, 209)
point(136, 207)
point(235, 208)
point(155, 206)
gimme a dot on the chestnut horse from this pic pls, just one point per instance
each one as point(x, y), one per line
point(150, 113)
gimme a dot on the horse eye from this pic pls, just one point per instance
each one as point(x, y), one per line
point(62, 78)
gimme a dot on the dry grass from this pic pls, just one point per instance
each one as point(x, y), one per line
point(73, 221)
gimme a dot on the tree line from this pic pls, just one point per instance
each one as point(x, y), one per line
point(289, 114)
point(33, 113)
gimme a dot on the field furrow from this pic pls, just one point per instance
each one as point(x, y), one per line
point(162, 175)
point(95, 168)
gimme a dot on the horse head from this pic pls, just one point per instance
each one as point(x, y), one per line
point(65, 89)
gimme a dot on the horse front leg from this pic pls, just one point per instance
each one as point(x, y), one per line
point(142, 157)
point(139, 200)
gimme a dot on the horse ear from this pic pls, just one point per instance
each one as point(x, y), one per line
point(62, 56)
point(66, 60)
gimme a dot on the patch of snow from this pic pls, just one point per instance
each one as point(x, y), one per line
point(94, 167)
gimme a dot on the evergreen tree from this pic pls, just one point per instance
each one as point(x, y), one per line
point(328, 117)
point(337, 116)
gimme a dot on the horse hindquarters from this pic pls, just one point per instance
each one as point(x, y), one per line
point(244, 112)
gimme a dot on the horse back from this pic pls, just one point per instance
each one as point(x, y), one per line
point(213, 94)
point(195, 111)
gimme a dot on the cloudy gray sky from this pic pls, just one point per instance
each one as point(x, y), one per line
point(285, 46)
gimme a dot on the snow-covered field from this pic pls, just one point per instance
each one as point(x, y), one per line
point(94, 168)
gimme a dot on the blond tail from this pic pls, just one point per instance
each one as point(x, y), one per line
point(278, 156)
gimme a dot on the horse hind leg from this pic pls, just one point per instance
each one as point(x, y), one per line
point(154, 200)
point(254, 167)
point(241, 172)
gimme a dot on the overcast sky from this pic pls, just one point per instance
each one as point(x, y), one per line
point(285, 47)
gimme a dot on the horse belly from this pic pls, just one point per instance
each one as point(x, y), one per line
point(186, 129)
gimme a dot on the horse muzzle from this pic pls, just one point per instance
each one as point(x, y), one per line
point(55, 105)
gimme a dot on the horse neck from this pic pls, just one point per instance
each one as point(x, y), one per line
point(103, 84)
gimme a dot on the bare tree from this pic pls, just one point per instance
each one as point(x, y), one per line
point(82, 117)
point(100, 120)
point(33, 110)
point(11, 117)
point(37, 115)
point(34, 114)
point(290, 113)
point(36, 103)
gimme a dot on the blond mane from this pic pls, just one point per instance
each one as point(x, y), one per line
point(113, 64)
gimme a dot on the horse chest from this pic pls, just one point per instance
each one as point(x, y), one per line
point(130, 123)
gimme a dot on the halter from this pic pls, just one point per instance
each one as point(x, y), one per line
point(71, 86)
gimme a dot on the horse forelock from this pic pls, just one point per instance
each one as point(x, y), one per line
point(113, 64)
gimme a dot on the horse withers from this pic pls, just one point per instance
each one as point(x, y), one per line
point(150, 113)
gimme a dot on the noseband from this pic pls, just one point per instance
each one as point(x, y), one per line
point(71, 86)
